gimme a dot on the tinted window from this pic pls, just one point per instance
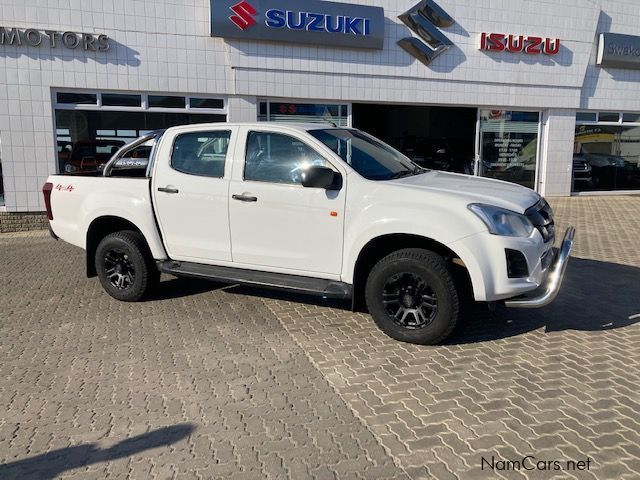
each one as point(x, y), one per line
point(586, 116)
point(631, 117)
point(77, 98)
point(206, 103)
point(201, 153)
point(609, 116)
point(121, 100)
point(166, 101)
point(277, 158)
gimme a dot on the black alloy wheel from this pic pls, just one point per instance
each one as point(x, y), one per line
point(412, 296)
point(125, 266)
point(409, 301)
point(119, 269)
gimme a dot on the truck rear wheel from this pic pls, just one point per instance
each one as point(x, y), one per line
point(125, 266)
point(412, 297)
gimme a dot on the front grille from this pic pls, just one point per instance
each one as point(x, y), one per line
point(541, 216)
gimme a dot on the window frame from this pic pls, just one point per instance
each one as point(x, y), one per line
point(287, 134)
point(144, 106)
point(597, 121)
point(202, 132)
point(307, 101)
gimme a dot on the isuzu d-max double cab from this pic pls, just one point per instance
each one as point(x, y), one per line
point(314, 209)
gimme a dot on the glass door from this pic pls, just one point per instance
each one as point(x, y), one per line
point(509, 146)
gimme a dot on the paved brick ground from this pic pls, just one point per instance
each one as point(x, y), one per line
point(199, 383)
point(203, 382)
point(561, 383)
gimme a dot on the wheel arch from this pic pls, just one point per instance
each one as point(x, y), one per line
point(98, 229)
point(381, 246)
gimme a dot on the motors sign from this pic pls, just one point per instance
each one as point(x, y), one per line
point(53, 39)
point(311, 22)
point(619, 51)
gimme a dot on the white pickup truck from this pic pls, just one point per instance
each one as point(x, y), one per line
point(313, 209)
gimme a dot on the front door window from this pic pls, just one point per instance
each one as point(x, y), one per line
point(509, 146)
point(277, 158)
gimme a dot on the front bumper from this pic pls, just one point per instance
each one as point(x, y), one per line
point(549, 290)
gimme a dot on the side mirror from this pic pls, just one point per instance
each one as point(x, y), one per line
point(321, 177)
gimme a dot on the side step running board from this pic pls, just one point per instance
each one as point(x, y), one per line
point(277, 281)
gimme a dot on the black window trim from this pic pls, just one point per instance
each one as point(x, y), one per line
point(226, 157)
point(246, 148)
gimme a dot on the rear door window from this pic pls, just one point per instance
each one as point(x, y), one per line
point(201, 153)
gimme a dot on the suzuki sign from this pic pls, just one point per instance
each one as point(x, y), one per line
point(425, 19)
point(312, 22)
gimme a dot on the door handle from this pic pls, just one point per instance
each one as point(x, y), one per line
point(168, 190)
point(245, 198)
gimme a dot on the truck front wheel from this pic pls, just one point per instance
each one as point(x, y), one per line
point(125, 266)
point(412, 297)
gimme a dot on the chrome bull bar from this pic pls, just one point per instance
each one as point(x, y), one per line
point(548, 292)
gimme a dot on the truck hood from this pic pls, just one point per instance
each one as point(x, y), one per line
point(473, 189)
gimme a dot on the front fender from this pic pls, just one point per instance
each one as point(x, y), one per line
point(442, 225)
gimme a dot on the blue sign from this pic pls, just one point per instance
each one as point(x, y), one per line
point(311, 22)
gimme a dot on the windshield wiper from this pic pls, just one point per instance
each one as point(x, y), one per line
point(403, 174)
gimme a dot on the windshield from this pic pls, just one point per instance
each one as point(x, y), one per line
point(368, 156)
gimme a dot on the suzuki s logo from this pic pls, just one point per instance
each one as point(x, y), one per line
point(244, 13)
point(424, 20)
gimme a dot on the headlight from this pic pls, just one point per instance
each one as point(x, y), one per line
point(503, 222)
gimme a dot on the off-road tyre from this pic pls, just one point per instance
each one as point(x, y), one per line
point(127, 251)
point(413, 266)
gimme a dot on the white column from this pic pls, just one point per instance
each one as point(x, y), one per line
point(243, 109)
point(556, 166)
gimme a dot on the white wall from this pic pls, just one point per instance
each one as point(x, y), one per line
point(164, 46)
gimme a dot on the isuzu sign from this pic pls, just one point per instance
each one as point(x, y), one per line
point(500, 42)
point(312, 22)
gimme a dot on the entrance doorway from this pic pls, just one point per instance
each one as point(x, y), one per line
point(509, 146)
point(439, 138)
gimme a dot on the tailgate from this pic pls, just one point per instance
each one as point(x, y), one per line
point(77, 200)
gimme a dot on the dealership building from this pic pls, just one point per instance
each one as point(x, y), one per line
point(545, 94)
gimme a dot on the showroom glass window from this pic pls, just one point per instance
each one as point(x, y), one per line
point(509, 146)
point(91, 127)
point(335, 114)
point(606, 152)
